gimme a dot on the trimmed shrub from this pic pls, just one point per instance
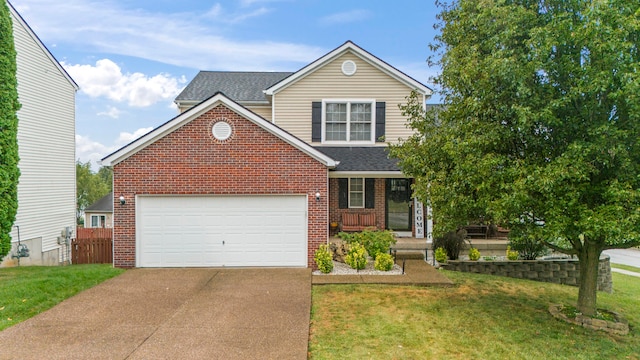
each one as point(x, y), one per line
point(375, 242)
point(440, 255)
point(323, 259)
point(474, 254)
point(357, 257)
point(384, 262)
point(511, 254)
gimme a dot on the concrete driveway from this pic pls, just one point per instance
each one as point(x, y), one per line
point(174, 314)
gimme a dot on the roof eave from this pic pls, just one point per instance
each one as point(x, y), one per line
point(369, 174)
point(44, 48)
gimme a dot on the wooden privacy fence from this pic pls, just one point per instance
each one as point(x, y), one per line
point(92, 246)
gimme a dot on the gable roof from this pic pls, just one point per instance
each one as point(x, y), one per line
point(105, 204)
point(243, 87)
point(193, 113)
point(45, 50)
point(349, 46)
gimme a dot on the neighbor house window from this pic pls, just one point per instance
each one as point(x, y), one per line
point(356, 193)
point(351, 121)
point(98, 221)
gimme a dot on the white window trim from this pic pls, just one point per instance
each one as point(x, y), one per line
point(363, 194)
point(372, 140)
point(99, 218)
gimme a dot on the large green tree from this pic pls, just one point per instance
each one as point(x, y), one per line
point(9, 105)
point(90, 186)
point(541, 125)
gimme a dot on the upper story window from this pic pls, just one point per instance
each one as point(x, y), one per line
point(348, 121)
point(352, 121)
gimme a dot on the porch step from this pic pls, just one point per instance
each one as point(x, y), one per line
point(487, 247)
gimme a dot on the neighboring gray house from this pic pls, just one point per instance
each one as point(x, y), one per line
point(100, 213)
point(46, 140)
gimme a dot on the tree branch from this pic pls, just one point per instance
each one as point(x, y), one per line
point(561, 249)
point(622, 246)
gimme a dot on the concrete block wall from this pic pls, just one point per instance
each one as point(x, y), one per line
point(561, 271)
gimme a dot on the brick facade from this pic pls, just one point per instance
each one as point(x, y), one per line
point(335, 213)
point(190, 161)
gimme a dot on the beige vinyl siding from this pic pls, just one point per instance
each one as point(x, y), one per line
point(293, 104)
point(46, 140)
point(108, 218)
point(263, 111)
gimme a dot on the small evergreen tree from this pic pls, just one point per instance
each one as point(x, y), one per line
point(9, 105)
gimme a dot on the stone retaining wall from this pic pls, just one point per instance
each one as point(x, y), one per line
point(561, 271)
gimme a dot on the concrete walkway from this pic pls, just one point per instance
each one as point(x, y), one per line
point(174, 314)
point(626, 272)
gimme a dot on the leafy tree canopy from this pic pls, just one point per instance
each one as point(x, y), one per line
point(540, 129)
point(90, 186)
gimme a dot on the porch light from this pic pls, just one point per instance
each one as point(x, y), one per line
point(318, 196)
point(122, 200)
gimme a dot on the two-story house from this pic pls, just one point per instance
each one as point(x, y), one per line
point(46, 147)
point(260, 167)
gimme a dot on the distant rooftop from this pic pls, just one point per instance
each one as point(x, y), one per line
point(238, 86)
point(105, 204)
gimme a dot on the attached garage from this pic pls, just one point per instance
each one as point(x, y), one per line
point(200, 231)
point(219, 186)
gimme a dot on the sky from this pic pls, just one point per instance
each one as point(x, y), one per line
point(132, 58)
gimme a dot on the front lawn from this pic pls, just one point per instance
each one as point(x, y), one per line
point(29, 290)
point(481, 317)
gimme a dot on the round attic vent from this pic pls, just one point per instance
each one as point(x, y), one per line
point(349, 68)
point(221, 130)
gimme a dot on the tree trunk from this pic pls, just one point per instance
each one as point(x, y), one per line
point(589, 261)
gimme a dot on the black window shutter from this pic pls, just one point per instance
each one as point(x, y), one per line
point(369, 193)
point(343, 193)
point(380, 120)
point(316, 121)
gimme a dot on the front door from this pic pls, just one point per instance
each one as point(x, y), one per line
point(398, 204)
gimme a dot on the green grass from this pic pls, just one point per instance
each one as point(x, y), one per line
point(29, 290)
point(626, 267)
point(481, 317)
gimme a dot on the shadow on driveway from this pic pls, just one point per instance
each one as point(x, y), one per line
point(174, 314)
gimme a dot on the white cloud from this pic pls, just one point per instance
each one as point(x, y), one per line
point(106, 79)
point(346, 17)
point(189, 39)
point(93, 151)
point(89, 150)
point(126, 137)
point(112, 112)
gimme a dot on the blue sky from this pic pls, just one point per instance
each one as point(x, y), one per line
point(131, 58)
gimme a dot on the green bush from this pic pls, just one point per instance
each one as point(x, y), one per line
point(375, 242)
point(384, 262)
point(324, 259)
point(441, 255)
point(474, 254)
point(452, 242)
point(356, 257)
point(527, 244)
point(9, 106)
point(511, 254)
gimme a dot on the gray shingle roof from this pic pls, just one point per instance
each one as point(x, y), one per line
point(372, 158)
point(105, 204)
point(238, 86)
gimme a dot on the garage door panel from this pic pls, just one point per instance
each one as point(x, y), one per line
point(178, 231)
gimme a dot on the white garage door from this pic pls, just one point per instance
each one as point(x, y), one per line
point(186, 231)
